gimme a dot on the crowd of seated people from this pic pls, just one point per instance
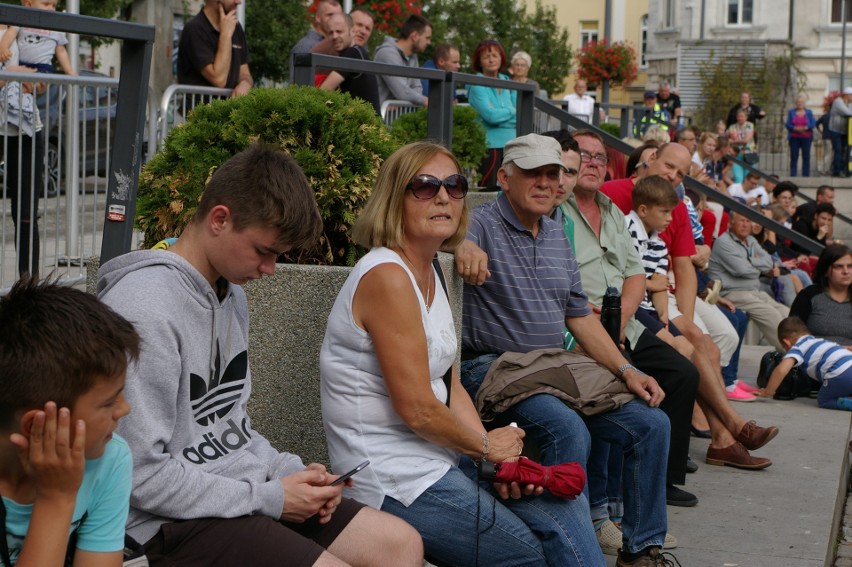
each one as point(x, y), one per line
point(572, 227)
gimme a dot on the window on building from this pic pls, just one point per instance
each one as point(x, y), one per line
point(588, 33)
point(668, 14)
point(837, 11)
point(643, 40)
point(740, 12)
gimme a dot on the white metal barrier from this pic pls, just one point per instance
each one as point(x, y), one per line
point(393, 109)
point(177, 101)
point(54, 182)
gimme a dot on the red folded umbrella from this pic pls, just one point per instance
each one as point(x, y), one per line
point(565, 480)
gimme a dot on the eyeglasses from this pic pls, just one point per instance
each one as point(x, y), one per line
point(425, 186)
point(598, 159)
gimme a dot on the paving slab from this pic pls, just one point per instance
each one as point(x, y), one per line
point(782, 516)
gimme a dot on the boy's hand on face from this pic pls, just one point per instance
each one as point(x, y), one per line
point(53, 457)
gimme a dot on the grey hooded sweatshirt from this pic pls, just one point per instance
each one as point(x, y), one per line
point(195, 454)
point(391, 86)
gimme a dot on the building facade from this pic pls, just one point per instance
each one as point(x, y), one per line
point(586, 21)
point(683, 32)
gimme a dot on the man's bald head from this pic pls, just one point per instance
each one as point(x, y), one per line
point(670, 162)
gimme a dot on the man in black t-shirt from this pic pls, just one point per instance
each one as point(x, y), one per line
point(358, 85)
point(213, 51)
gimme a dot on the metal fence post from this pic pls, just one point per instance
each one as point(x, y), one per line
point(127, 148)
point(439, 122)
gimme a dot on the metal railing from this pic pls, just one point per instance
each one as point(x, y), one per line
point(177, 101)
point(533, 115)
point(92, 142)
point(574, 123)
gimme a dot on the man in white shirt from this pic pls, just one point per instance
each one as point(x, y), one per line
point(750, 192)
point(579, 103)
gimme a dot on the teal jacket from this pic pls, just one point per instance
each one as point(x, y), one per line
point(497, 112)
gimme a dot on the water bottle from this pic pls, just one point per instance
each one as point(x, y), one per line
point(611, 314)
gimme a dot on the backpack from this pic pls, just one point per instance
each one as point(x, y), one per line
point(796, 382)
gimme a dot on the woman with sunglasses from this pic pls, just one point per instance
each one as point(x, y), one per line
point(389, 353)
point(497, 108)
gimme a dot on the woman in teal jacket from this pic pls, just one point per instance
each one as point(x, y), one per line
point(496, 108)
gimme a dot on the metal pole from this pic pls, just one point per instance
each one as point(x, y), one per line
point(241, 13)
point(607, 35)
point(72, 148)
point(843, 15)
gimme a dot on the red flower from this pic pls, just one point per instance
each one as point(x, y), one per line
point(598, 62)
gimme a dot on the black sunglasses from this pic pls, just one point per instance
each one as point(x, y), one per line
point(425, 186)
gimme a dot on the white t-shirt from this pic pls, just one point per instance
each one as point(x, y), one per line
point(358, 415)
point(580, 105)
point(737, 192)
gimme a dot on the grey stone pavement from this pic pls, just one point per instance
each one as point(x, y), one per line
point(782, 516)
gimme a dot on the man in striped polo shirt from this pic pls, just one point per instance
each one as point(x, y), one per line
point(533, 290)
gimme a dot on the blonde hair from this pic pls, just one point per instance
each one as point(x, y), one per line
point(381, 221)
point(656, 132)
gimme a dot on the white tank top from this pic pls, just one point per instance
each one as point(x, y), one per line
point(359, 418)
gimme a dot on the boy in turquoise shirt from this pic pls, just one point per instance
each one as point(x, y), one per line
point(64, 477)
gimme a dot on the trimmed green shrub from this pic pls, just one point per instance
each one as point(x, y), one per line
point(468, 133)
point(338, 141)
point(612, 129)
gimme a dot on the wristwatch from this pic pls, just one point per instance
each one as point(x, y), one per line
point(624, 368)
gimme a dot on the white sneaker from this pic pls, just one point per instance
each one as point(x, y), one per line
point(609, 537)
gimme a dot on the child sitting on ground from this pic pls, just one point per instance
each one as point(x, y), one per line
point(824, 361)
point(65, 478)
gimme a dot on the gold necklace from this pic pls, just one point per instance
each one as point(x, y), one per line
point(419, 276)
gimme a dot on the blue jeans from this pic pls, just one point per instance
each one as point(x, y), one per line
point(739, 319)
point(838, 387)
point(463, 523)
point(629, 456)
point(803, 146)
point(640, 433)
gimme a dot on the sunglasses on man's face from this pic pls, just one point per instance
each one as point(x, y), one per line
point(425, 186)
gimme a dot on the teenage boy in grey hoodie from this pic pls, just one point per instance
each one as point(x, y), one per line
point(207, 488)
point(415, 37)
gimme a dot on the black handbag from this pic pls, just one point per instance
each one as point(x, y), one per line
point(796, 383)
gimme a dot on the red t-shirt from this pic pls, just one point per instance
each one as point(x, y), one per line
point(678, 235)
point(708, 225)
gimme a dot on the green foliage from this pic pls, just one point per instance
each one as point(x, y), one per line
point(272, 28)
point(610, 128)
point(338, 141)
point(549, 48)
point(464, 23)
point(468, 133)
point(773, 83)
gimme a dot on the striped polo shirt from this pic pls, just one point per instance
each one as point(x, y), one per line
point(821, 359)
point(534, 284)
point(652, 251)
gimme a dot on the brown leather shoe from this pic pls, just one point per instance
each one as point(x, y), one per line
point(752, 436)
point(735, 456)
